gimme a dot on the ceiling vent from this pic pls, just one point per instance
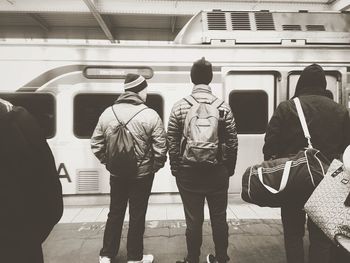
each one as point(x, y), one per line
point(216, 21)
point(315, 28)
point(88, 181)
point(240, 21)
point(291, 27)
point(264, 21)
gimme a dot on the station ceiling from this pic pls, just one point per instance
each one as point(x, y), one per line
point(118, 20)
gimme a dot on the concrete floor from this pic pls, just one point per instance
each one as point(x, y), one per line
point(256, 234)
point(250, 241)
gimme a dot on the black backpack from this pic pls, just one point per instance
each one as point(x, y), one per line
point(120, 152)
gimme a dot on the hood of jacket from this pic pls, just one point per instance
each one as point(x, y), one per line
point(312, 81)
point(130, 98)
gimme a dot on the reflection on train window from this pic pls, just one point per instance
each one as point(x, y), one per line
point(40, 105)
point(250, 109)
point(89, 106)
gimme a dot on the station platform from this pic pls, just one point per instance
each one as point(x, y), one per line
point(255, 233)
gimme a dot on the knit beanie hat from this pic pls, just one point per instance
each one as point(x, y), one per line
point(201, 72)
point(134, 83)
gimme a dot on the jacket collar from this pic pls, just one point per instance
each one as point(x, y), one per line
point(201, 88)
point(130, 98)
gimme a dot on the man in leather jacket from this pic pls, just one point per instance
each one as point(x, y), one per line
point(30, 189)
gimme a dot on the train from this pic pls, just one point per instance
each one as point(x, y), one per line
point(257, 57)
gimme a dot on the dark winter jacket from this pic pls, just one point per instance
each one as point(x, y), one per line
point(30, 190)
point(147, 130)
point(201, 93)
point(328, 121)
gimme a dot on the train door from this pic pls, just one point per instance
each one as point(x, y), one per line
point(251, 96)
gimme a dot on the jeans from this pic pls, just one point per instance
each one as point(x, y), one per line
point(293, 220)
point(137, 192)
point(196, 185)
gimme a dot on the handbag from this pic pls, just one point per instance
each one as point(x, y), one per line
point(326, 206)
point(285, 181)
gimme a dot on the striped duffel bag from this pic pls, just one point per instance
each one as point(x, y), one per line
point(284, 181)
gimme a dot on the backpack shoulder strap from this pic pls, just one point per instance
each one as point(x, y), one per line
point(191, 100)
point(217, 103)
point(115, 115)
point(124, 124)
point(144, 108)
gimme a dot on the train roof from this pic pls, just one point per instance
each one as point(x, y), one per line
point(219, 27)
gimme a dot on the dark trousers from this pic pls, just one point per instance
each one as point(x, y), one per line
point(195, 186)
point(293, 220)
point(137, 192)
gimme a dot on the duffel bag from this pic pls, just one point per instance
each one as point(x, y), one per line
point(284, 181)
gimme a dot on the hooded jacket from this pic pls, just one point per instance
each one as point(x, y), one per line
point(146, 128)
point(328, 121)
point(201, 93)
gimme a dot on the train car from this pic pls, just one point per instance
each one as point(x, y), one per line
point(257, 58)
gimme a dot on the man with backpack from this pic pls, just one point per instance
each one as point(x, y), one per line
point(131, 141)
point(202, 141)
point(30, 190)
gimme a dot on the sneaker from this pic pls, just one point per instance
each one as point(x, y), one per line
point(145, 259)
point(103, 259)
point(182, 261)
point(211, 259)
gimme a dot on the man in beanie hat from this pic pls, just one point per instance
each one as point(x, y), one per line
point(197, 182)
point(149, 147)
point(329, 126)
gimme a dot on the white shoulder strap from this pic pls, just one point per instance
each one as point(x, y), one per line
point(303, 121)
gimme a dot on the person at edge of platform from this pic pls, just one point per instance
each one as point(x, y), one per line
point(329, 126)
point(30, 190)
point(199, 182)
point(150, 148)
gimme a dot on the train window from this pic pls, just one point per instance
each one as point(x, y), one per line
point(250, 109)
point(89, 106)
point(40, 105)
point(332, 78)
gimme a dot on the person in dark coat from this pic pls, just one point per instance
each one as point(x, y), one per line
point(329, 126)
point(199, 183)
point(30, 191)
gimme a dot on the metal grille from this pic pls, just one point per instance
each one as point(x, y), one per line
point(240, 21)
point(315, 28)
point(291, 27)
point(216, 21)
point(264, 21)
point(88, 182)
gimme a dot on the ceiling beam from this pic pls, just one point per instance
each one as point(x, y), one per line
point(340, 5)
point(39, 21)
point(161, 7)
point(100, 20)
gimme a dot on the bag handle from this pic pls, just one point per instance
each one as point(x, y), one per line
point(303, 121)
point(284, 180)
